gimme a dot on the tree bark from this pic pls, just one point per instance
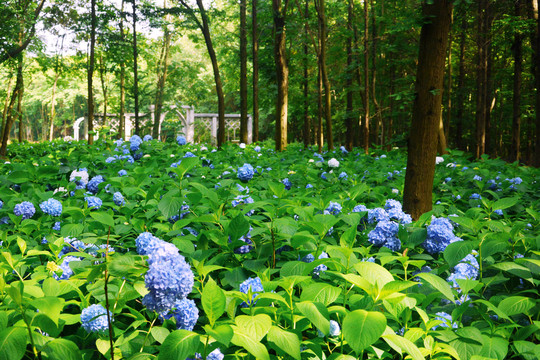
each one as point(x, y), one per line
point(537, 84)
point(255, 52)
point(320, 111)
point(10, 117)
point(417, 196)
point(460, 86)
point(6, 105)
point(122, 119)
point(516, 98)
point(320, 6)
point(349, 114)
point(19, 100)
point(135, 69)
point(449, 85)
point(53, 105)
point(103, 89)
point(91, 73)
point(305, 64)
point(365, 124)
point(162, 70)
point(243, 74)
point(282, 71)
point(482, 76)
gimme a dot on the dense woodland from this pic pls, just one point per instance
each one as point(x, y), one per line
point(343, 72)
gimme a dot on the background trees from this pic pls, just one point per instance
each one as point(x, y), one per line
point(352, 69)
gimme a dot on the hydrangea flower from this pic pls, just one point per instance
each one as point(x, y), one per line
point(440, 234)
point(309, 186)
point(287, 183)
point(477, 178)
point(377, 214)
point(466, 269)
point(1, 204)
point(144, 242)
point(244, 249)
point(333, 208)
point(52, 207)
point(93, 201)
point(257, 148)
point(499, 212)
point(333, 163)
point(147, 137)
point(66, 269)
point(321, 267)
point(384, 231)
point(94, 318)
point(343, 150)
point(79, 177)
point(343, 175)
point(245, 172)
point(57, 226)
point(214, 355)
point(92, 185)
point(26, 209)
point(243, 199)
point(308, 258)
point(438, 160)
point(181, 140)
point(252, 284)
point(186, 314)
point(475, 196)
point(122, 172)
point(335, 329)
point(189, 154)
point(395, 212)
point(118, 198)
point(135, 142)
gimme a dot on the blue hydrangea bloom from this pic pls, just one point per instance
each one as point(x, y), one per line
point(214, 355)
point(57, 226)
point(343, 149)
point(321, 267)
point(110, 159)
point(475, 196)
point(467, 268)
point(80, 178)
point(376, 215)
point(93, 201)
point(122, 172)
point(1, 204)
point(181, 140)
point(477, 178)
point(138, 155)
point(245, 172)
point(189, 154)
point(244, 249)
point(395, 212)
point(393, 244)
point(360, 208)
point(383, 232)
point(243, 199)
point(287, 183)
point(144, 242)
point(94, 318)
point(257, 148)
point(309, 186)
point(92, 185)
point(52, 207)
point(186, 314)
point(335, 330)
point(26, 209)
point(253, 284)
point(343, 175)
point(440, 233)
point(308, 258)
point(66, 269)
point(118, 198)
point(333, 208)
point(498, 212)
point(147, 137)
point(135, 142)
point(323, 175)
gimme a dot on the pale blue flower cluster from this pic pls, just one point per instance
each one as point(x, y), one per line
point(80, 178)
point(257, 148)
point(52, 207)
point(57, 225)
point(376, 215)
point(244, 249)
point(93, 201)
point(245, 172)
point(189, 154)
point(135, 142)
point(214, 355)
point(309, 186)
point(94, 318)
point(394, 210)
point(335, 329)
point(66, 269)
point(181, 140)
point(477, 178)
point(147, 138)
point(253, 285)
point(26, 209)
point(118, 199)
point(343, 150)
point(440, 234)
point(475, 196)
point(385, 234)
point(343, 176)
point(243, 199)
point(287, 183)
point(169, 278)
point(321, 267)
point(1, 204)
point(122, 172)
point(185, 313)
point(466, 269)
point(93, 184)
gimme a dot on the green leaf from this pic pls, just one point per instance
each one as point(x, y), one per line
point(292, 268)
point(323, 293)
point(494, 347)
point(238, 227)
point(222, 333)
point(439, 284)
point(50, 306)
point(13, 343)
point(256, 326)
point(160, 333)
point(374, 273)
point(246, 341)
point(71, 230)
point(362, 328)
point(348, 237)
point(504, 203)
point(286, 341)
point(103, 218)
point(466, 348)
point(515, 305)
point(62, 349)
point(179, 345)
point(213, 301)
point(405, 345)
point(185, 165)
point(317, 313)
point(455, 252)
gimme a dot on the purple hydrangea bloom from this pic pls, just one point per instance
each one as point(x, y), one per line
point(439, 235)
point(186, 314)
point(287, 183)
point(383, 232)
point(376, 215)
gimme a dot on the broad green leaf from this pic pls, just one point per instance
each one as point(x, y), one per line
point(362, 328)
point(287, 341)
point(169, 205)
point(62, 349)
point(494, 347)
point(246, 341)
point(317, 313)
point(455, 252)
point(103, 218)
point(213, 301)
point(374, 273)
point(13, 343)
point(438, 284)
point(256, 326)
point(179, 345)
point(515, 305)
point(50, 306)
point(323, 293)
point(466, 348)
point(405, 345)
point(348, 237)
point(505, 203)
point(293, 268)
point(238, 227)
point(222, 333)
point(160, 333)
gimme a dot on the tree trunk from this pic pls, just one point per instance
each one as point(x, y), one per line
point(162, 70)
point(282, 71)
point(90, 75)
point(10, 117)
point(379, 126)
point(19, 102)
point(460, 86)
point(53, 105)
point(516, 99)
point(449, 85)
point(320, 134)
point(482, 77)
point(103, 89)
point(122, 119)
point(537, 83)
point(441, 143)
point(365, 124)
point(349, 114)
point(243, 74)
point(6, 105)
point(323, 32)
point(255, 50)
point(135, 68)
point(305, 63)
point(417, 196)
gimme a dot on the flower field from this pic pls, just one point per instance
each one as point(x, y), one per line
point(179, 251)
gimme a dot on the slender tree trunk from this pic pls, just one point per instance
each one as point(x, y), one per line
point(449, 84)
point(6, 105)
point(103, 89)
point(379, 126)
point(135, 69)
point(537, 83)
point(460, 86)
point(482, 78)
point(516, 99)
point(365, 129)
point(417, 196)
point(320, 110)
point(305, 63)
point(255, 51)
point(19, 102)
point(323, 32)
point(90, 75)
point(282, 71)
point(489, 98)
point(243, 74)
point(10, 117)
point(349, 115)
point(53, 105)
point(162, 70)
point(122, 119)
point(441, 143)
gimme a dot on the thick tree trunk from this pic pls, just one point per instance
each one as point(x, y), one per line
point(255, 51)
point(243, 74)
point(516, 98)
point(537, 84)
point(135, 70)
point(91, 73)
point(417, 196)
point(122, 119)
point(349, 115)
point(10, 117)
point(460, 86)
point(365, 129)
point(162, 70)
point(482, 76)
point(282, 71)
point(305, 64)
point(449, 86)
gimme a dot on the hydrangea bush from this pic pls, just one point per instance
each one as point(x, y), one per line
point(247, 253)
